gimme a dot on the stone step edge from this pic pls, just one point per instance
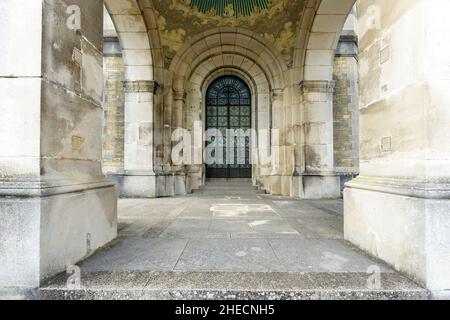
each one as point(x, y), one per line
point(162, 294)
point(234, 281)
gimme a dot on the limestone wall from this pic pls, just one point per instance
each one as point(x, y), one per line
point(113, 106)
point(398, 208)
point(345, 109)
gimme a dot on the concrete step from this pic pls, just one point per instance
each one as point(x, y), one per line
point(221, 285)
point(228, 191)
point(229, 180)
point(229, 186)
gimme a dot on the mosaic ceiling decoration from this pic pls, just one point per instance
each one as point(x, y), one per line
point(230, 7)
point(278, 21)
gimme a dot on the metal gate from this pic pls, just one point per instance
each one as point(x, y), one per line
point(229, 111)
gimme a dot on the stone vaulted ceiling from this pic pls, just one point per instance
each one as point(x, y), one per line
point(278, 21)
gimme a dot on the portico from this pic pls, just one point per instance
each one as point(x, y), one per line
point(340, 100)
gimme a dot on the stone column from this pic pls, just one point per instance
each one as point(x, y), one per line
point(297, 189)
point(277, 142)
point(179, 98)
point(282, 154)
point(56, 207)
point(318, 179)
point(139, 179)
point(261, 143)
point(195, 124)
point(399, 207)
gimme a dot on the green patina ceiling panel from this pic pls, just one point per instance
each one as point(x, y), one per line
point(278, 21)
point(230, 7)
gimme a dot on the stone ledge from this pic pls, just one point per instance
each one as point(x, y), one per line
point(224, 285)
point(44, 187)
point(317, 86)
point(139, 86)
point(424, 189)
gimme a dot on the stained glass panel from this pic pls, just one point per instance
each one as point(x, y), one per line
point(246, 111)
point(212, 111)
point(223, 111)
point(245, 121)
point(228, 107)
point(234, 111)
point(223, 122)
point(212, 122)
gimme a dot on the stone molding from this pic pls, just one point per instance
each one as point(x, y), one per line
point(140, 86)
point(318, 86)
point(44, 187)
point(130, 173)
point(420, 188)
point(349, 36)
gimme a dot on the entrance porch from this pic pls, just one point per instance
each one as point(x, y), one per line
point(230, 241)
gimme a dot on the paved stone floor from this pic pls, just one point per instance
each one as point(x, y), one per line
point(229, 236)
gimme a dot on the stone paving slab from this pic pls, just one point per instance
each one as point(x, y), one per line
point(137, 254)
point(231, 245)
point(229, 255)
point(322, 255)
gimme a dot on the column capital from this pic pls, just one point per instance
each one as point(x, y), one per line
point(278, 94)
point(140, 86)
point(322, 86)
point(179, 95)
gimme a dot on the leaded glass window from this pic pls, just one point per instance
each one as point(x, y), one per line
point(229, 110)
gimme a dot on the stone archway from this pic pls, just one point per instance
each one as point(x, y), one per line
point(53, 192)
point(322, 23)
point(247, 53)
point(392, 209)
point(139, 46)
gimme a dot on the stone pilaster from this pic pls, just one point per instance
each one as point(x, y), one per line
point(318, 177)
point(179, 98)
point(56, 206)
point(281, 154)
point(138, 179)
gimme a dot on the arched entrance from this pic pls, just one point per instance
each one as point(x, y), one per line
point(228, 113)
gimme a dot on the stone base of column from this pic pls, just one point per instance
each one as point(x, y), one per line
point(194, 178)
point(142, 185)
point(312, 186)
point(263, 182)
point(405, 223)
point(51, 225)
point(135, 185)
point(280, 185)
point(165, 185)
point(180, 184)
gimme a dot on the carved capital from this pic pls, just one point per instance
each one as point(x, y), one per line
point(140, 86)
point(317, 86)
point(277, 94)
point(179, 95)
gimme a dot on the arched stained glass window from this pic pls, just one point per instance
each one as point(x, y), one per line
point(228, 110)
